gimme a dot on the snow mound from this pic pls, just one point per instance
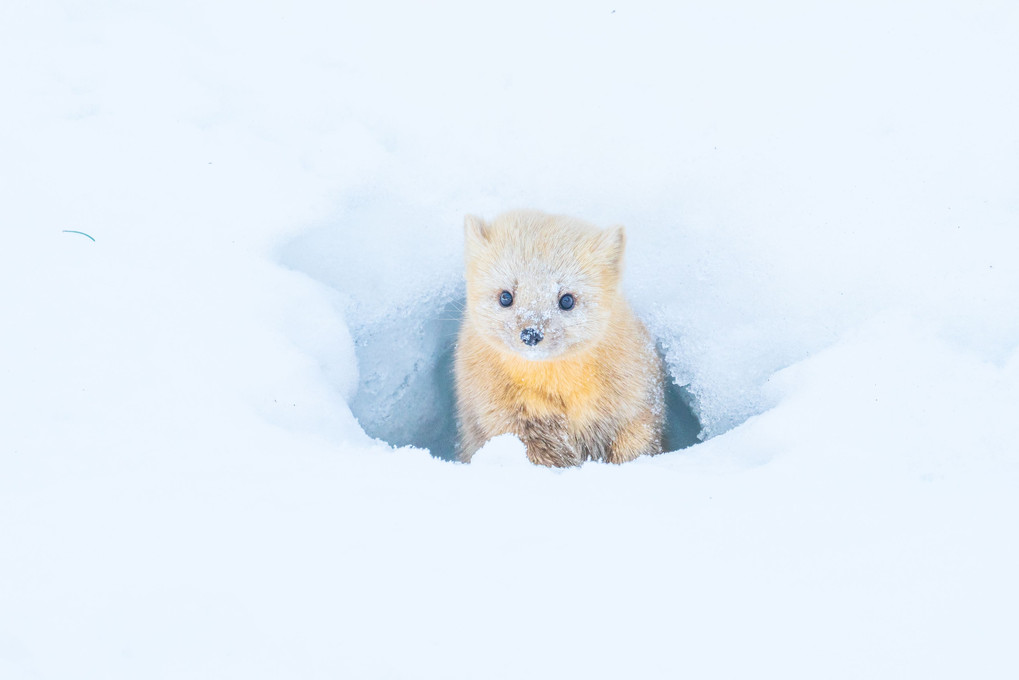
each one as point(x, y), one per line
point(503, 451)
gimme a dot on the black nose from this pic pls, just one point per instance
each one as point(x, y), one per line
point(531, 336)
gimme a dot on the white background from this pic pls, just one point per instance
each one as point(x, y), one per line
point(821, 206)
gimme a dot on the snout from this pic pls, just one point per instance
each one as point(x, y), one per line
point(531, 336)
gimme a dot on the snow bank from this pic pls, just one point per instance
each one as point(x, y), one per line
point(821, 215)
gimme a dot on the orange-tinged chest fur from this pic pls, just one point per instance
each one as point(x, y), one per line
point(570, 387)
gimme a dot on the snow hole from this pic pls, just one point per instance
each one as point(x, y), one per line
point(403, 305)
point(405, 393)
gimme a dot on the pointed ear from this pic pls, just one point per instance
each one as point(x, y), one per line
point(476, 234)
point(609, 245)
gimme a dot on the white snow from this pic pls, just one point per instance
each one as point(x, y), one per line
point(821, 208)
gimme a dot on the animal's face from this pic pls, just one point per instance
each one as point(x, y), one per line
point(541, 287)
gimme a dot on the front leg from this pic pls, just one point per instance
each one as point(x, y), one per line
point(549, 443)
point(472, 437)
point(638, 437)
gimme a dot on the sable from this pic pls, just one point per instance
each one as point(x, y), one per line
point(549, 349)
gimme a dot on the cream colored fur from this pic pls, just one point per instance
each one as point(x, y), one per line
point(593, 387)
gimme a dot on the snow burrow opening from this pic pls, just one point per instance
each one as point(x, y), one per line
point(405, 393)
point(402, 300)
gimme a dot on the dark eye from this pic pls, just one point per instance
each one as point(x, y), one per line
point(505, 298)
point(566, 301)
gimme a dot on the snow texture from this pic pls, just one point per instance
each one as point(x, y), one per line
point(225, 419)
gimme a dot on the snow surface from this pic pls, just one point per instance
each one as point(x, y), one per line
point(821, 204)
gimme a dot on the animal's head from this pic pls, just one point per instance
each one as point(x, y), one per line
point(541, 286)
